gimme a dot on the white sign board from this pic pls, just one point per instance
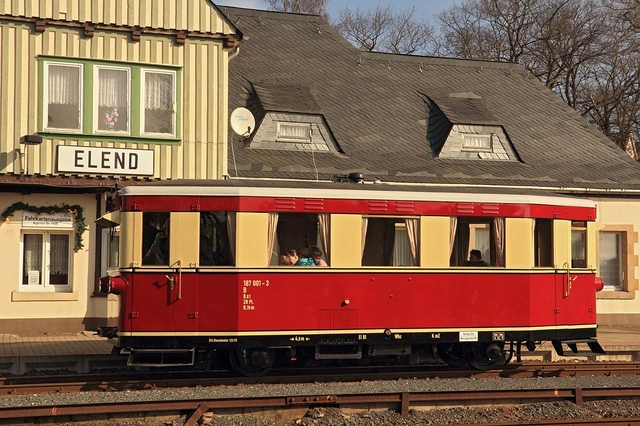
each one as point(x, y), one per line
point(58, 221)
point(34, 278)
point(468, 336)
point(109, 161)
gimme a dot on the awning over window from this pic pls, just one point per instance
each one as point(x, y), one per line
point(109, 220)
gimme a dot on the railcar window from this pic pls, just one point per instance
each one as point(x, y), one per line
point(578, 244)
point(304, 234)
point(543, 242)
point(155, 238)
point(390, 241)
point(217, 238)
point(486, 231)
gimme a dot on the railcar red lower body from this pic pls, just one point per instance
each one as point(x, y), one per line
point(220, 304)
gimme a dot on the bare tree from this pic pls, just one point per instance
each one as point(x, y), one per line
point(495, 30)
point(585, 50)
point(384, 30)
point(628, 11)
point(309, 7)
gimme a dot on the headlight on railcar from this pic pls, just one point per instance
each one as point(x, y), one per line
point(112, 285)
point(599, 284)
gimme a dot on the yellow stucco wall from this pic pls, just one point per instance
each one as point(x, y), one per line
point(18, 303)
point(622, 212)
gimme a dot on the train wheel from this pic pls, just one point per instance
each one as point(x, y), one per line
point(485, 357)
point(252, 362)
point(452, 355)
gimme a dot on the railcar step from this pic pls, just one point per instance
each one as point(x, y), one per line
point(594, 346)
point(161, 357)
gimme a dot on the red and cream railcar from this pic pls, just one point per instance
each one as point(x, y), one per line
point(199, 272)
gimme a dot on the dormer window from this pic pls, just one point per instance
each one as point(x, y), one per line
point(294, 132)
point(475, 142)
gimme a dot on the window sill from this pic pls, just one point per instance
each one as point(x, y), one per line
point(43, 296)
point(615, 295)
point(147, 139)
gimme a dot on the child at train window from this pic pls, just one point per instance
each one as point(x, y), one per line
point(316, 255)
point(303, 258)
point(475, 258)
point(284, 260)
point(292, 255)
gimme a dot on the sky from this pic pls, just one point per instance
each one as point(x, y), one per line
point(425, 8)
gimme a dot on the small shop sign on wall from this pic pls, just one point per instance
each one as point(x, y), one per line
point(44, 220)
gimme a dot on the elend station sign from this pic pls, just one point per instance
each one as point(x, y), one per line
point(108, 161)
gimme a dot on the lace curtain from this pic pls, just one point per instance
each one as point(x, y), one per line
point(113, 88)
point(32, 256)
point(59, 256)
point(158, 88)
point(64, 85)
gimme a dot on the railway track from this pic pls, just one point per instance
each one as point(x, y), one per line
point(402, 402)
point(139, 381)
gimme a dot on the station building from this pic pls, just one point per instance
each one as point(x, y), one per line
point(324, 110)
point(97, 95)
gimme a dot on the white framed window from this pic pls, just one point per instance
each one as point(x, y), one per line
point(46, 261)
point(62, 96)
point(476, 142)
point(611, 260)
point(112, 99)
point(294, 132)
point(110, 250)
point(158, 102)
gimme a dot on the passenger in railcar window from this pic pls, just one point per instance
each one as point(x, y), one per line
point(284, 260)
point(475, 259)
point(158, 253)
point(316, 255)
point(303, 258)
point(292, 255)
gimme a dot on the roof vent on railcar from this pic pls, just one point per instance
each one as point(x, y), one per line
point(353, 177)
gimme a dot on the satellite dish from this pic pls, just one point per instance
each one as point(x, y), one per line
point(242, 121)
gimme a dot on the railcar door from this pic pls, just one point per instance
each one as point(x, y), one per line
point(563, 295)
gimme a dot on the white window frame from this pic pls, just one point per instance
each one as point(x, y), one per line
point(281, 124)
point(44, 285)
point(487, 136)
point(45, 96)
point(96, 86)
point(621, 262)
point(143, 97)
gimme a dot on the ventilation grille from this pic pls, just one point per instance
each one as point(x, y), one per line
point(464, 208)
point(313, 204)
point(491, 209)
point(404, 206)
point(377, 206)
point(285, 203)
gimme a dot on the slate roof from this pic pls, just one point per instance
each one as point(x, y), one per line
point(375, 107)
point(459, 110)
point(286, 98)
